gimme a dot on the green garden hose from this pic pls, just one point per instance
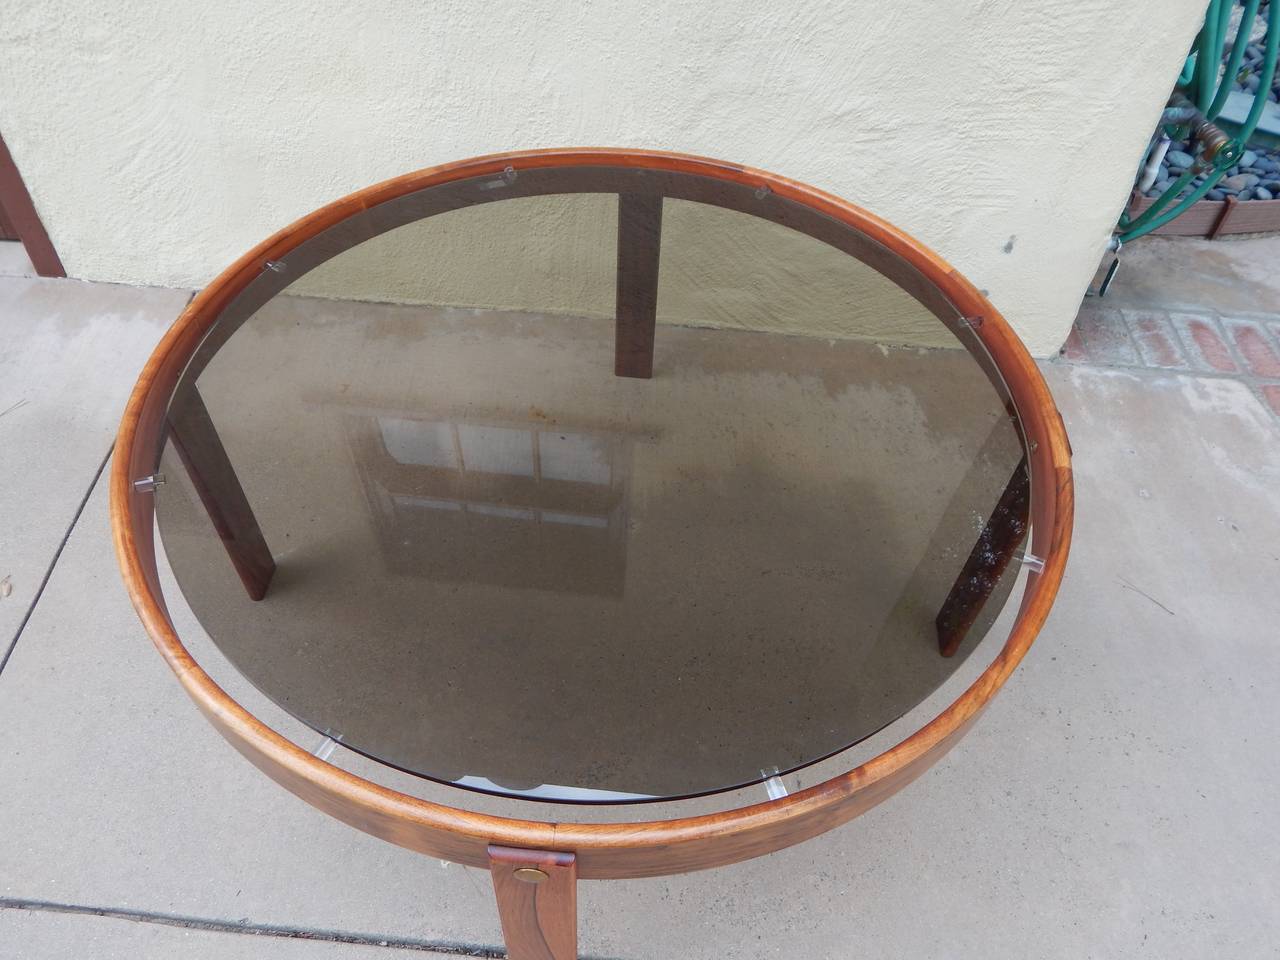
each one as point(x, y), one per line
point(1233, 62)
point(1217, 152)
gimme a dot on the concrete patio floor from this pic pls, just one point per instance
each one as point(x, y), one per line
point(1116, 800)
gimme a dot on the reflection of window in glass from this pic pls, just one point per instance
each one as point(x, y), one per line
point(419, 442)
point(521, 505)
point(569, 456)
point(544, 467)
point(427, 503)
point(493, 510)
point(496, 450)
point(503, 450)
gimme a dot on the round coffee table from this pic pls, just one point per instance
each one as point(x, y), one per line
point(598, 479)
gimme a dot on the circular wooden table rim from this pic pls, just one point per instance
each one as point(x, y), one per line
point(608, 850)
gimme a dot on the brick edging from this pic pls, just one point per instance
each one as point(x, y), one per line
point(1245, 348)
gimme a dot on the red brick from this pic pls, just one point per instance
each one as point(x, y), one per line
point(1106, 339)
point(1271, 396)
point(1157, 343)
point(1205, 346)
point(1254, 345)
point(1073, 349)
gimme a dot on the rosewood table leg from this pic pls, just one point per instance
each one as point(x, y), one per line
point(193, 435)
point(537, 894)
point(986, 563)
point(639, 244)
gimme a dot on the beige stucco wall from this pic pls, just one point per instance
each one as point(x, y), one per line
point(718, 268)
point(160, 140)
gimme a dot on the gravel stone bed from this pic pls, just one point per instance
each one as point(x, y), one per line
point(1257, 175)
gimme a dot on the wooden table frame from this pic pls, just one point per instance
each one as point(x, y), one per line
point(19, 213)
point(536, 864)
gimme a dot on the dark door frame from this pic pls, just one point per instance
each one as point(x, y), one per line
point(20, 213)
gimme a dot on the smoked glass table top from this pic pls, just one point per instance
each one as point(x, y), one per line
point(495, 553)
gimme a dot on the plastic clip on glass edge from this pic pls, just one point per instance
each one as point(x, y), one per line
point(773, 784)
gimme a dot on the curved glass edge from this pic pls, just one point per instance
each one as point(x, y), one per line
point(278, 275)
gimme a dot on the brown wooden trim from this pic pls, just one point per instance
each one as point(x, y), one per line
point(1201, 219)
point(987, 562)
point(196, 440)
point(7, 230)
point(537, 892)
point(639, 250)
point(21, 213)
point(637, 849)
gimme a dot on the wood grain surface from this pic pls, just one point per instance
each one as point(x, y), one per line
point(200, 448)
point(537, 892)
point(639, 246)
point(986, 563)
point(22, 220)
